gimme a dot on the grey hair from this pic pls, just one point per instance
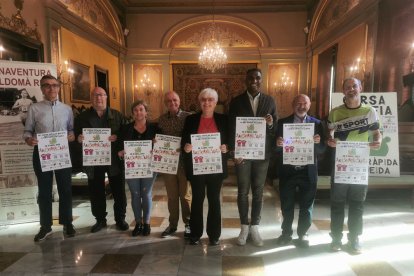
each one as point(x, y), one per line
point(210, 92)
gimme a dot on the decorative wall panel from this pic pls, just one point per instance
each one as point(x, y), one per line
point(190, 79)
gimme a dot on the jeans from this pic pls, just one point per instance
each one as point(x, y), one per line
point(45, 184)
point(251, 174)
point(356, 195)
point(307, 192)
point(178, 191)
point(141, 198)
point(199, 184)
point(97, 195)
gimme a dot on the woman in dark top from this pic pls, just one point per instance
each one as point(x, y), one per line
point(207, 121)
point(140, 188)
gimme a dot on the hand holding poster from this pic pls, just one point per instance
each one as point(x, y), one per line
point(351, 162)
point(298, 147)
point(54, 150)
point(137, 159)
point(96, 147)
point(250, 138)
point(386, 160)
point(206, 155)
point(166, 154)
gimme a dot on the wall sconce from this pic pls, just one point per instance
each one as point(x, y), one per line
point(412, 58)
point(284, 85)
point(65, 73)
point(147, 87)
point(356, 69)
point(1, 51)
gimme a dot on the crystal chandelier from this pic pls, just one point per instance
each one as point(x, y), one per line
point(212, 57)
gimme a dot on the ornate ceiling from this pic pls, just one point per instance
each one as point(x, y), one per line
point(197, 6)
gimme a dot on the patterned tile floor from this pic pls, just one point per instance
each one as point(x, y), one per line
point(388, 244)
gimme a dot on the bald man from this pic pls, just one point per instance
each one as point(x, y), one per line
point(101, 116)
point(301, 178)
point(178, 190)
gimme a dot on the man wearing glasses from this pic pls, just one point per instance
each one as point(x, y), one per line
point(51, 115)
point(101, 116)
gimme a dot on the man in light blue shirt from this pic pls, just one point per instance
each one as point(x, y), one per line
point(51, 115)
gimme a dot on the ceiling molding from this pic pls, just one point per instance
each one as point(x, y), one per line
point(202, 6)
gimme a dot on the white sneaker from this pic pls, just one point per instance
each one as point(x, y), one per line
point(244, 232)
point(254, 232)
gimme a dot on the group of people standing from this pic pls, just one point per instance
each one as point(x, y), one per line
point(51, 115)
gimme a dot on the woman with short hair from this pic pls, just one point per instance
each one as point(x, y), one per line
point(206, 121)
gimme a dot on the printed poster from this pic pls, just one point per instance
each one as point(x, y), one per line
point(298, 146)
point(96, 147)
point(352, 162)
point(166, 154)
point(385, 161)
point(206, 154)
point(19, 88)
point(250, 138)
point(18, 183)
point(54, 150)
point(137, 159)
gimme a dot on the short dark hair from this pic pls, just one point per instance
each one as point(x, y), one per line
point(139, 102)
point(251, 70)
point(48, 77)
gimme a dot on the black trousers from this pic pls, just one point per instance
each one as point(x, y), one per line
point(199, 185)
point(306, 192)
point(45, 184)
point(97, 196)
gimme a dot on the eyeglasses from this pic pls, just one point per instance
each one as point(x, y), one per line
point(49, 86)
point(99, 95)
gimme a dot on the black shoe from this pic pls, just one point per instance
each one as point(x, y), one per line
point(168, 232)
point(43, 233)
point(137, 230)
point(187, 231)
point(336, 245)
point(214, 242)
point(122, 225)
point(354, 246)
point(283, 240)
point(194, 241)
point(146, 230)
point(302, 242)
point(98, 226)
point(69, 231)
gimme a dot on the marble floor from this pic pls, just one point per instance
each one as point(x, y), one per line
point(388, 243)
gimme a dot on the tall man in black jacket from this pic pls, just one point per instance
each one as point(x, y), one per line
point(252, 173)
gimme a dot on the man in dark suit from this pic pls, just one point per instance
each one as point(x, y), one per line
point(303, 178)
point(252, 173)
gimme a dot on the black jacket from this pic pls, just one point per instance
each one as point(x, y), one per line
point(240, 107)
point(115, 121)
point(190, 127)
